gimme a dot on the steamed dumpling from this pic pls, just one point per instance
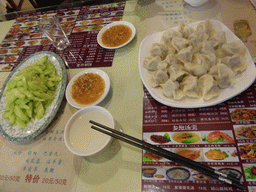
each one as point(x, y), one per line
point(180, 43)
point(208, 87)
point(171, 90)
point(223, 74)
point(235, 62)
point(189, 86)
point(151, 62)
point(159, 49)
point(186, 55)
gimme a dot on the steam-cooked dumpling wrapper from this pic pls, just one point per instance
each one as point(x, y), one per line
point(196, 40)
point(189, 86)
point(180, 43)
point(171, 90)
point(185, 30)
point(223, 74)
point(160, 76)
point(168, 35)
point(171, 59)
point(186, 55)
point(159, 49)
point(205, 27)
point(177, 72)
point(151, 62)
point(235, 62)
point(232, 48)
point(207, 47)
point(208, 87)
point(218, 39)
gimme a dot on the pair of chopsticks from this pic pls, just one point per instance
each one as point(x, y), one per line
point(209, 171)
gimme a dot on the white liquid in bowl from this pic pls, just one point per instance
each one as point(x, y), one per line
point(83, 138)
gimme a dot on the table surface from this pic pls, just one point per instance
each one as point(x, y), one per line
point(119, 167)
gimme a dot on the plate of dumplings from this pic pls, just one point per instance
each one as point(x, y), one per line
point(195, 65)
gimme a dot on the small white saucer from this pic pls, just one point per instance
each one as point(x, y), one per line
point(111, 25)
point(103, 74)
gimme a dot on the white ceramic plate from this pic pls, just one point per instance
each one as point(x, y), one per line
point(108, 121)
point(242, 82)
point(35, 126)
point(103, 74)
point(111, 25)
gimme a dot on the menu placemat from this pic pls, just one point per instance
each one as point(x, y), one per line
point(222, 137)
point(81, 24)
point(44, 164)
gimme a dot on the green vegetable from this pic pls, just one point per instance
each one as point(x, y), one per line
point(190, 140)
point(167, 136)
point(146, 159)
point(30, 92)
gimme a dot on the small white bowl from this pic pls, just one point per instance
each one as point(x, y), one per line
point(196, 3)
point(103, 74)
point(111, 25)
point(80, 138)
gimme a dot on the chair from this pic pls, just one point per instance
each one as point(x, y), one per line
point(15, 7)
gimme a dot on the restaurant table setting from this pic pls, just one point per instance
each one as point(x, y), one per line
point(129, 96)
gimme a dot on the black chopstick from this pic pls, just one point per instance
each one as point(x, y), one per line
point(227, 178)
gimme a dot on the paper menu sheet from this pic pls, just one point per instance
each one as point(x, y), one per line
point(81, 24)
point(171, 128)
point(43, 165)
point(239, 16)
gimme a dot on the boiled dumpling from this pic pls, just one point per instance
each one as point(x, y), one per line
point(185, 30)
point(235, 62)
point(196, 40)
point(160, 76)
point(223, 74)
point(180, 43)
point(171, 90)
point(207, 60)
point(189, 86)
point(159, 49)
point(196, 67)
point(205, 27)
point(218, 39)
point(186, 55)
point(208, 87)
point(151, 62)
point(229, 49)
point(168, 35)
point(207, 47)
point(171, 59)
point(177, 72)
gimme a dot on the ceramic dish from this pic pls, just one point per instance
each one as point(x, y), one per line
point(35, 126)
point(78, 128)
point(111, 25)
point(178, 173)
point(69, 87)
point(241, 83)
